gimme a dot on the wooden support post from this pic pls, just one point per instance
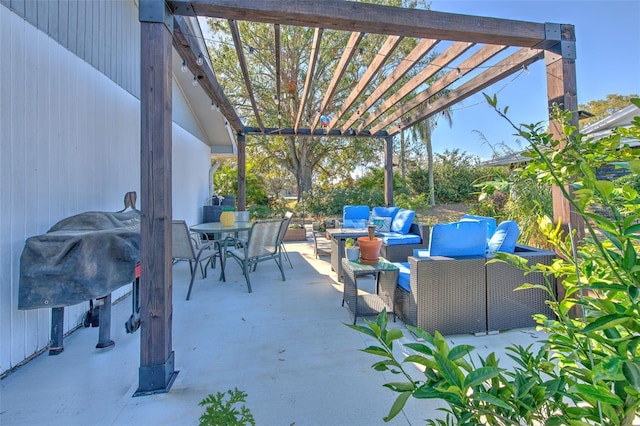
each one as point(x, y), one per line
point(388, 171)
point(242, 173)
point(156, 373)
point(560, 61)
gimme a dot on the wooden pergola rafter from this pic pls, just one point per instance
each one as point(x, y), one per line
point(436, 86)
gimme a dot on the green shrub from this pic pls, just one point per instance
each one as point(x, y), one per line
point(587, 371)
point(220, 411)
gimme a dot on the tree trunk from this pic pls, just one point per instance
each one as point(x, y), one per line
point(432, 191)
point(403, 170)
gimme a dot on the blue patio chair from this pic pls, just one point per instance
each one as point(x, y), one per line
point(355, 216)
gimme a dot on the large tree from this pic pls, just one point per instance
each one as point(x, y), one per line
point(601, 108)
point(305, 158)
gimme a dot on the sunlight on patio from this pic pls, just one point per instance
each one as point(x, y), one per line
point(285, 344)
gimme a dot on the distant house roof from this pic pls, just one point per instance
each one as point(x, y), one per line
point(597, 130)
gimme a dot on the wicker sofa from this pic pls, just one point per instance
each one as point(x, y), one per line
point(461, 295)
point(401, 252)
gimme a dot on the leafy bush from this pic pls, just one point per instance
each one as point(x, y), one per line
point(221, 412)
point(587, 371)
point(453, 174)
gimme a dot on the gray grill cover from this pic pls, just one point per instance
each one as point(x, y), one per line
point(82, 257)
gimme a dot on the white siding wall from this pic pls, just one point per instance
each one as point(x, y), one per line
point(69, 142)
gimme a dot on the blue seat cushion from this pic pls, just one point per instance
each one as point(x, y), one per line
point(489, 221)
point(505, 237)
point(354, 223)
point(402, 221)
point(395, 239)
point(404, 277)
point(466, 238)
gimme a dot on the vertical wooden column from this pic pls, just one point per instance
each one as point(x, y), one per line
point(242, 173)
point(156, 372)
point(388, 171)
point(560, 61)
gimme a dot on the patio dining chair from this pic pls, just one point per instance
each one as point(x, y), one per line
point(261, 246)
point(190, 247)
point(283, 230)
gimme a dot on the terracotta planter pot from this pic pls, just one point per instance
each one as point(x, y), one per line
point(369, 249)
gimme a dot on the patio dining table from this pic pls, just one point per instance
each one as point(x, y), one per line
point(218, 230)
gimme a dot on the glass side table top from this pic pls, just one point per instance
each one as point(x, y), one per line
point(382, 265)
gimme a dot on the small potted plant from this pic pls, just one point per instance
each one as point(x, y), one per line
point(352, 251)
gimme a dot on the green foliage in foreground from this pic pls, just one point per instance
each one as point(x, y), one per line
point(220, 411)
point(587, 371)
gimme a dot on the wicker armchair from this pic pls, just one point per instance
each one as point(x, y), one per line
point(508, 309)
point(447, 294)
point(460, 295)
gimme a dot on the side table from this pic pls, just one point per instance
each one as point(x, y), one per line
point(338, 238)
point(370, 304)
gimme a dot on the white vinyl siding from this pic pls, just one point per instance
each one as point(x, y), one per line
point(69, 143)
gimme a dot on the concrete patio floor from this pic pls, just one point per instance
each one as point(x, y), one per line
point(285, 345)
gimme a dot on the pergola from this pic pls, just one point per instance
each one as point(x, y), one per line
point(379, 113)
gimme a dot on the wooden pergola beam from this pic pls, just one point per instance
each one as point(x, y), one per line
point(433, 67)
point(349, 51)
point(478, 58)
point(370, 18)
point(313, 60)
point(385, 51)
point(506, 67)
point(235, 33)
point(405, 65)
point(189, 51)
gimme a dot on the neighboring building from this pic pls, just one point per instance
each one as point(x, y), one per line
point(70, 137)
point(597, 130)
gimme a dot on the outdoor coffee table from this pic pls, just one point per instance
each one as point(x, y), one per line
point(370, 304)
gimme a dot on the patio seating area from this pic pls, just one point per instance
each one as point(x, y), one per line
point(285, 344)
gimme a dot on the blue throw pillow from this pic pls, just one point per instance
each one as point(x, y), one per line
point(505, 237)
point(383, 224)
point(402, 221)
point(489, 221)
point(467, 238)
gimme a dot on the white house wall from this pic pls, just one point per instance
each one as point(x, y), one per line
point(69, 142)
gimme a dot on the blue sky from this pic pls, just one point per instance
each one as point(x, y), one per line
point(608, 61)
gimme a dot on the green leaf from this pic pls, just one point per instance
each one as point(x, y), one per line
point(481, 375)
point(393, 334)
point(397, 406)
point(634, 165)
point(631, 372)
point(460, 351)
point(419, 347)
point(606, 322)
point(596, 393)
point(633, 229)
point(490, 399)
point(605, 188)
point(630, 256)
point(400, 386)
point(449, 370)
point(376, 350)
